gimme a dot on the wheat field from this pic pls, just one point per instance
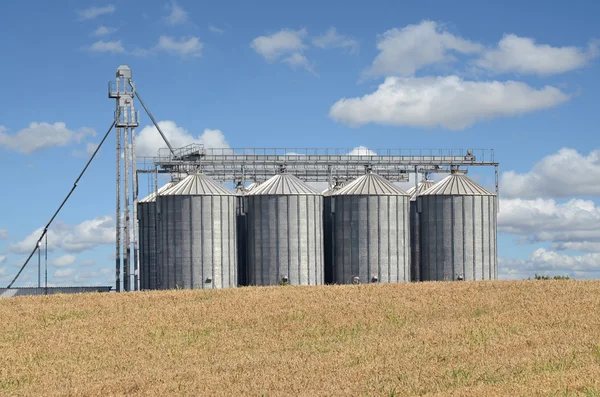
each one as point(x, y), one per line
point(505, 338)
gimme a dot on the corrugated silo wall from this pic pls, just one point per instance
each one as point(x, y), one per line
point(147, 246)
point(458, 237)
point(327, 240)
point(197, 242)
point(285, 238)
point(415, 243)
point(371, 238)
point(242, 233)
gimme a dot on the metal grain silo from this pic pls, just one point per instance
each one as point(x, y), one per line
point(285, 226)
point(197, 235)
point(458, 229)
point(415, 233)
point(148, 249)
point(371, 232)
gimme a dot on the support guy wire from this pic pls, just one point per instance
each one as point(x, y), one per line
point(151, 117)
point(39, 241)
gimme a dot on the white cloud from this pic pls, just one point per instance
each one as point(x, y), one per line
point(332, 39)
point(448, 102)
point(278, 44)
point(107, 46)
point(88, 263)
point(184, 47)
point(215, 29)
point(90, 147)
point(71, 238)
point(523, 55)
point(404, 51)
point(583, 246)
point(3, 234)
point(570, 225)
point(41, 136)
point(297, 60)
point(361, 151)
point(149, 140)
point(62, 273)
point(103, 31)
point(2, 259)
point(545, 262)
point(177, 16)
point(93, 12)
point(562, 174)
point(63, 261)
point(102, 274)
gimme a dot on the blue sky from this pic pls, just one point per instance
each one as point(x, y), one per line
point(521, 78)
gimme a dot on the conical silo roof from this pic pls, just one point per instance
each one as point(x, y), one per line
point(420, 189)
point(253, 185)
point(370, 184)
point(283, 184)
point(457, 184)
point(152, 196)
point(198, 185)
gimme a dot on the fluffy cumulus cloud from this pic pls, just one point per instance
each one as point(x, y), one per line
point(524, 55)
point(570, 225)
point(63, 273)
point(94, 12)
point(403, 51)
point(183, 47)
point(63, 261)
point(2, 259)
point(177, 15)
point(3, 234)
point(361, 151)
point(103, 31)
point(114, 47)
point(86, 276)
point(279, 44)
point(42, 136)
point(215, 29)
point(332, 39)
point(562, 174)
point(297, 60)
point(289, 46)
point(547, 262)
point(449, 102)
point(71, 238)
point(149, 140)
point(90, 147)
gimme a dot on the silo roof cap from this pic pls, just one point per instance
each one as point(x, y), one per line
point(152, 196)
point(457, 184)
point(198, 185)
point(283, 184)
point(370, 184)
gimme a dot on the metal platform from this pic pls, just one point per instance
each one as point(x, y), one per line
point(311, 165)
